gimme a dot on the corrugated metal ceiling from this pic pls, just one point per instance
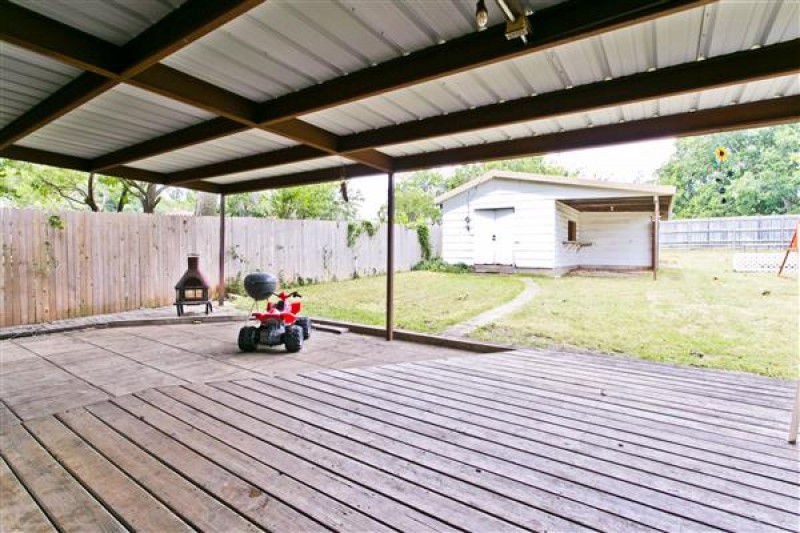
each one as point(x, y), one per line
point(115, 21)
point(742, 93)
point(709, 31)
point(27, 79)
point(238, 145)
point(283, 46)
point(123, 116)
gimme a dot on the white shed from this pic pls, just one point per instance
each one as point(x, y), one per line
point(510, 221)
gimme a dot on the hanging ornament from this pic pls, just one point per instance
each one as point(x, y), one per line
point(721, 154)
point(343, 190)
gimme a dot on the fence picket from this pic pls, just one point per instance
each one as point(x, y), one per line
point(107, 262)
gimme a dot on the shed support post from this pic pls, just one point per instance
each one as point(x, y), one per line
point(656, 229)
point(390, 258)
point(221, 288)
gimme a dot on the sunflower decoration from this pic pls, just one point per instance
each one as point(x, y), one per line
point(721, 154)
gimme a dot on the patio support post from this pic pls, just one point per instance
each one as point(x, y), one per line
point(221, 289)
point(390, 259)
point(795, 421)
point(656, 220)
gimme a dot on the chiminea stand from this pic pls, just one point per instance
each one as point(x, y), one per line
point(192, 288)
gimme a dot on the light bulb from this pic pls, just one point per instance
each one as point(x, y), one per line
point(481, 15)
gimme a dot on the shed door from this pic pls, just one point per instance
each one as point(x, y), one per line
point(494, 239)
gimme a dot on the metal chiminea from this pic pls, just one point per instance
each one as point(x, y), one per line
point(192, 288)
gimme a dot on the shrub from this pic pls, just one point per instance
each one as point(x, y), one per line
point(436, 264)
point(424, 238)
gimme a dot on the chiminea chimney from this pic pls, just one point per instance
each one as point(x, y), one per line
point(192, 288)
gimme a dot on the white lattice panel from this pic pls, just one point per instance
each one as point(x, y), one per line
point(763, 262)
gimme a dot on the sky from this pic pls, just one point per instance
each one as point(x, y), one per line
point(630, 162)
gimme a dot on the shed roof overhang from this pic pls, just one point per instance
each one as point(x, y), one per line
point(241, 95)
point(622, 204)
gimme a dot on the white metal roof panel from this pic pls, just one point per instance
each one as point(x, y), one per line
point(283, 46)
point(707, 31)
point(26, 79)
point(742, 93)
point(114, 21)
point(118, 118)
point(280, 170)
point(233, 146)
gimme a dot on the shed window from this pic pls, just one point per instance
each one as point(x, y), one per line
point(572, 231)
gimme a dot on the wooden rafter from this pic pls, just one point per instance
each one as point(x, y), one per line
point(558, 24)
point(740, 67)
point(107, 63)
point(750, 115)
point(582, 18)
point(760, 113)
point(137, 63)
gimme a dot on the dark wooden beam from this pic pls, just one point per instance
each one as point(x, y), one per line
point(776, 60)
point(108, 64)
point(73, 94)
point(176, 85)
point(577, 19)
point(556, 25)
point(300, 178)
point(740, 67)
point(43, 157)
point(182, 26)
point(32, 31)
point(751, 115)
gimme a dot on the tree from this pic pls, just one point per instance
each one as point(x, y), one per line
point(414, 195)
point(148, 194)
point(30, 185)
point(323, 201)
point(761, 175)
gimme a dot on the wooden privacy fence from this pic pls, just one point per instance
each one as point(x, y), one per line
point(70, 264)
point(771, 232)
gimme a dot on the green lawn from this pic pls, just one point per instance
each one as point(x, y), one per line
point(699, 313)
point(424, 301)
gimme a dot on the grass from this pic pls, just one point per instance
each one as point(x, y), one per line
point(428, 302)
point(698, 313)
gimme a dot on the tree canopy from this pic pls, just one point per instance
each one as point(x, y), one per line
point(761, 175)
point(324, 201)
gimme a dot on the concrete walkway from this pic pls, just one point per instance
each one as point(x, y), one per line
point(465, 328)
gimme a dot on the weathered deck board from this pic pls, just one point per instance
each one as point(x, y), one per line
point(64, 500)
point(132, 504)
point(494, 442)
point(20, 512)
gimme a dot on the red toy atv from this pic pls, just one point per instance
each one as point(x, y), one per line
point(280, 323)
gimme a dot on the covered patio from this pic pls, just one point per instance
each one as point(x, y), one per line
point(169, 428)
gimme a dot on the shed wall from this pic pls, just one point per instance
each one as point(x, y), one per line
point(534, 222)
point(618, 239)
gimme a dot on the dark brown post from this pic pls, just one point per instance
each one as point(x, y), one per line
point(221, 249)
point(390, 260)
point(656, 229)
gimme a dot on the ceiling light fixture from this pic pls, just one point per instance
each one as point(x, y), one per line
point(481, 15)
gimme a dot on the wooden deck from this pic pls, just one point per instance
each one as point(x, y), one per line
point(510, 441)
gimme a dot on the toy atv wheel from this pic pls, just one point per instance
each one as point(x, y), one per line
point(305, 323)
point(248, 339)
point(293, 339)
